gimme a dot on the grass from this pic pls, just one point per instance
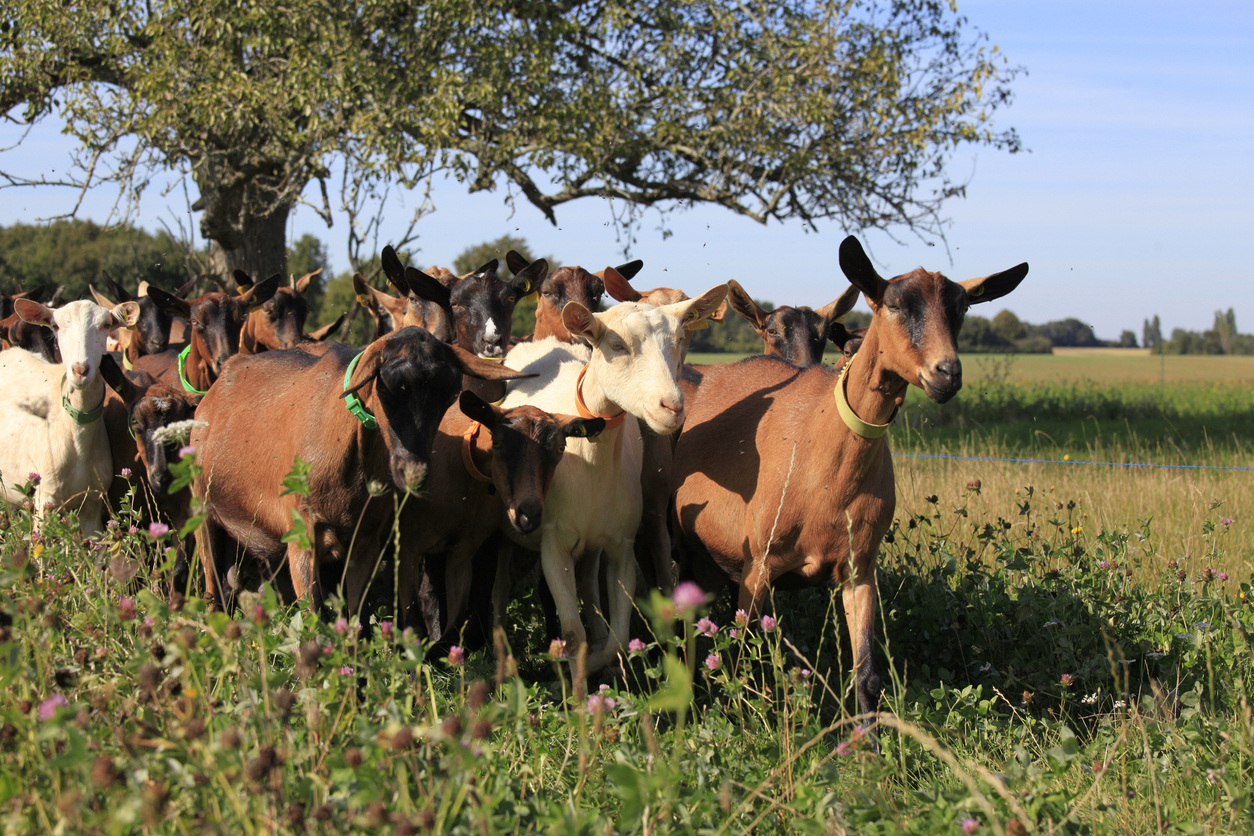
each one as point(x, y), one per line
point(1068, 650)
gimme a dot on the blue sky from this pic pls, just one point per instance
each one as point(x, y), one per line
point(1133, 198)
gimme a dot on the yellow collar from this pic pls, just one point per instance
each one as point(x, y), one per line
point(852, 421)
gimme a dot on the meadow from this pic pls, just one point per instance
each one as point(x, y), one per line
point(1068, 646)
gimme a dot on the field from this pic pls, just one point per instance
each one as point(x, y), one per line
point(1067, 639)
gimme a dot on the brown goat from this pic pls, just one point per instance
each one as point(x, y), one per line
point(798, 334)
point(280, 321)
point(216, 319)
point(565, 284)
point(777, 485)
point(363, 422)
point(493, 467)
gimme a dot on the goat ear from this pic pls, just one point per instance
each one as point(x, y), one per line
point(242, 279)
point(838, 334)
point(995, 286)
point(126, 314)
point(477, 409)
point(834, 312)
point(261, 292)
point(516, 261)
point(617, 287)
point(488, 269)
point(476, 366)
point(327, 330)
point(740, 302)
point(119, 292)
point(101, 300)
point(33, 312)
point(529, 278)
point(182, 290)
point(393, 269)
point(695, 310)
point(362, 289)
point(575, 427)
point(367, 368)
point(426, 287)
point(173, 305)
point(56, 296)
point(302, 284)
point(127, 390)
point(629, 270)
point(859, 270)
point(581, 322)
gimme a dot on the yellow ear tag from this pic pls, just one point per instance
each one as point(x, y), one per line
point(363, 299)
point(840, 319)
point(697, 324)
point(978, 292)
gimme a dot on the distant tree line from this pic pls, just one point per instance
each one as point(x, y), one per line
point(76, 254)
point(1220, 338)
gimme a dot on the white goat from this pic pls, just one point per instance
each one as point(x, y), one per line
point(594, 502)
point(49, 413)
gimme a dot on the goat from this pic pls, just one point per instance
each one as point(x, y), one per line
point(280, 321)
point(775, 484)
point(137, 412)
point(361, 420)
point(798, 334)
point(35, 338)
point(216, 319)
point(483, 478)
point(53, 430)
point(563, 285)
point(152, 334)
point(653, 540)
point(594, 503)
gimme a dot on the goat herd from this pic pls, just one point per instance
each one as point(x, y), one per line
point(566, 444)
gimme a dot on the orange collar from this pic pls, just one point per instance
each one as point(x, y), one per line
point(582, 408)
point(468, 456)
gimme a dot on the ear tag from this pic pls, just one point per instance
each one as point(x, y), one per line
point(697, 323)
point(529, 289)
point(363, 299)
point(840, 320)
point(578, 431)
point(977, 293)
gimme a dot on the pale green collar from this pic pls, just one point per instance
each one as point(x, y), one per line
point(852, 421)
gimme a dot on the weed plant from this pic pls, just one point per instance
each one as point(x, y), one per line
point(1046, 676)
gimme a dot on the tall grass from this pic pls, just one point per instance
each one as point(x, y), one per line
point(1049, 675)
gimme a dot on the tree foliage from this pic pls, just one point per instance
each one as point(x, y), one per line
point(78, 253)
point(842, 110)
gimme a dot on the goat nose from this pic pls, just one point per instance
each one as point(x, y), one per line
point(674, 407)
point(80, 370)
point(527, 518)
point(951, 367)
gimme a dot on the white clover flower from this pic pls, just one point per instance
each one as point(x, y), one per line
point(178, 431)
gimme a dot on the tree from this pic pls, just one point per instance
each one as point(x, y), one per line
point(305, 256)
point(77, 254)
point(1127, 339)
point(1152, 334)
point(778, 110)
point(1225, 329)
point(1008, 326)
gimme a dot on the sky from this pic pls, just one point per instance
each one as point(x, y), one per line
point(1132, 199)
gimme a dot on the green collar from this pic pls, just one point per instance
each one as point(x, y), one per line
point(79, 416)
point(182, 377)
point(354, 404)
point(852, 421)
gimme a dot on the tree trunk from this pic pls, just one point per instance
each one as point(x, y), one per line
point(243, 219)
point(260, 251)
